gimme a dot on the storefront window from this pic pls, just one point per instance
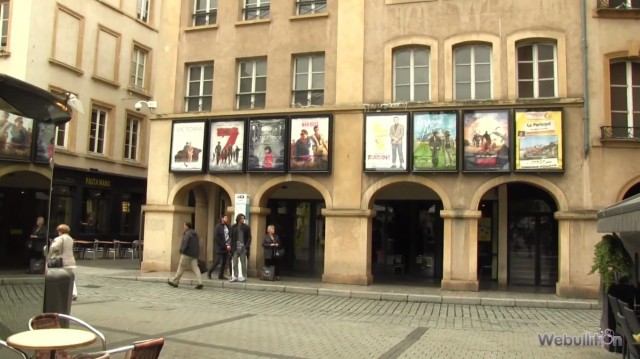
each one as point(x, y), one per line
point(61, 206)
point(130, 213)
point(95, 216)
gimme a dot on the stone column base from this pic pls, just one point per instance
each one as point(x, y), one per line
point(347, 279)
point(461, 285)
point(147, 266)
point(577, 291)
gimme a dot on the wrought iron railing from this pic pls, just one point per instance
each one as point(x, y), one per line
point(619, 4)
point(619, 133)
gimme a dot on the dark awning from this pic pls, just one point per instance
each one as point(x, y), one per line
point(24, 99)
point(621, 217)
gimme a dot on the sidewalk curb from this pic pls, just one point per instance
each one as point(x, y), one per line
point(398, 297)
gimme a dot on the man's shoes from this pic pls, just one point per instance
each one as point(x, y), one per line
point(222, 277)
point(233, 279)
point(75, 297)
point(209, 275)
point(199, 286)
point(242, 279)
point(169, 282)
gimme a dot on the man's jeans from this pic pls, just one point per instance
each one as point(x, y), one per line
point(243, 262)
point(185, 263)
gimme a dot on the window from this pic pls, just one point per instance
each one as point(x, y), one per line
point(138, 67)
point(4, 25)
point(95, 211)
point(625, 98)
point(131, 137)
point(307, 7)
point(472, 72)
point(536, 70)
point(623, 4)
point(199, 88)
point(205, 12)
point(143, 10)
point(98, 131)
point(256, 9)
point(308, 80)
point(61, 135)
point(411, 74)
point(252, 84)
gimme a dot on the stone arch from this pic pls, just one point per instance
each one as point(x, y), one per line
point(44, 171)
point(627, 186)
point(190, 182)
point(556, 193)
point(262, 194)
point(370, 192)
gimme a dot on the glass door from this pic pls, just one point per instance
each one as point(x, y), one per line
point(533, 251)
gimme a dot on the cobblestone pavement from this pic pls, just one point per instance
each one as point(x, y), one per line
point(231, 323)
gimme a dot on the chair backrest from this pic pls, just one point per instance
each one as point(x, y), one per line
point(632, 319)
point(4, 347)
point(147, 349)
point(54, 320)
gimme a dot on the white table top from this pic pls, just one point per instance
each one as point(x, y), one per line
point(51, 339)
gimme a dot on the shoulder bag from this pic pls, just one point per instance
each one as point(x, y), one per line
point(56, 262)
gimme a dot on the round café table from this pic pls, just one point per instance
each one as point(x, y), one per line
point(51, 339)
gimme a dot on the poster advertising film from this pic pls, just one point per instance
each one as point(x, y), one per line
point(266, 145)
point(15, 136)
point(435, 141)
point(486, 141)
point(45, 144)
point(386, 142)
point(538, 140)
point(187, 145)
point(226, 146)
point(310, 144)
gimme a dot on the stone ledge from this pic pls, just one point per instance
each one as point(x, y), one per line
point(366, 295)
point(424, 298)
point(301, 290)
point(500, 302)
point(334, 292)
point(395, 297)
point(460, 300)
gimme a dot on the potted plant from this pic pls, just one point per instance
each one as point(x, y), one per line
point(611, 260)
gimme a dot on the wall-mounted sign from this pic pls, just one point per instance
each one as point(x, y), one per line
point(435, 141)
point(538, 140)
point(385, 142)
point(486, 141)
point(187, 146)
point(241, 205)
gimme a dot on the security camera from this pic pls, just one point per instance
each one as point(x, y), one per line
point(138, 105)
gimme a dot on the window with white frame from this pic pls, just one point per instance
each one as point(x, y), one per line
point(142, 10)
point(61, 133)
point(537, 70)
point(308, 80)
point(411, 74)
point(625, 98)
point(138, 68)
point(199, 88)
point(472, 72)
point(205, 12)
point(307, 7)
point(256, 9)
point(4, 25)
point(252, 83)
point(131, 138)
point(98, 131)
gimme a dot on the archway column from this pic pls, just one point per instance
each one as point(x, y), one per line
point(347, 256)
point(163, 229)
point(460, 249)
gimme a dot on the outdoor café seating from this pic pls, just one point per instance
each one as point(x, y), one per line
point(15, 353)
point(58, 320)
point(145, 349)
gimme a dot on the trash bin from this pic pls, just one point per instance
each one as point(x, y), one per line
point(58, 288)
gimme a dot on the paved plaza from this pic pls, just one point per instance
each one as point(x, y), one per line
point(230, 322)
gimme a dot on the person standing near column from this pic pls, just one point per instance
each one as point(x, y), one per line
point(189, 253)
point(221, 243)
point(240, 244)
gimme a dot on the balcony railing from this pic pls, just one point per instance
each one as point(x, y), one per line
point(619, 133)
point(619, 4)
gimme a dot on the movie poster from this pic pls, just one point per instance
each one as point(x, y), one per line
point(386, 142)
point(486, 141)
point(538, 140)
point(45, 142)
point(309, 146)
point(226, 146)
point(15, 136)
point(187, 145)
point(435, 141)
point(266, 150)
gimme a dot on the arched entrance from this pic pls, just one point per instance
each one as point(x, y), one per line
point(407, 235)
point(295, 211)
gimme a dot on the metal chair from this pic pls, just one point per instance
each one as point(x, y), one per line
point(145, 349)
point(4, 347)
point(95, 250)
point(58, 320)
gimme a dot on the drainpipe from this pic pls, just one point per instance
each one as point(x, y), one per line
point(585, 78)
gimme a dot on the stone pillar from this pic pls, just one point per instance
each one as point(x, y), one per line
point(163, 229)
point(460, 250)
point(347, 256)
point(258, 230)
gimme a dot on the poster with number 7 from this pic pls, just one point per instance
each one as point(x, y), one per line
point(227, 146)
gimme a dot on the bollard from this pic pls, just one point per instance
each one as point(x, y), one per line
point(58, 288)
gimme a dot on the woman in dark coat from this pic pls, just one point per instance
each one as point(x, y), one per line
point(271, 243)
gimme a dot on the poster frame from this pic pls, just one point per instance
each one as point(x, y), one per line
point(327, 133)
point(200, 140)
point(367, 139)
point(560, 147)
point(456, 137)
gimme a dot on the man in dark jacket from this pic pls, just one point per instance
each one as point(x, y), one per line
point(189, 253)
point(221, 242)
point(240, 244)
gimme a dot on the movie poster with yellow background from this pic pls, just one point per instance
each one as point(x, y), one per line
point(539, 140)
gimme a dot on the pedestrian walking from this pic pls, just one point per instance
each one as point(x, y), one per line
point(189, 253)
point(222, 243)
point(240, 244)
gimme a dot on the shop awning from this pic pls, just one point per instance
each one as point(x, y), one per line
point(24, 99)
point(621, 217)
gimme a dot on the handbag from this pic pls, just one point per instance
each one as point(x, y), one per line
point(56, 262)
point(278, 253)
point(268, 273)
